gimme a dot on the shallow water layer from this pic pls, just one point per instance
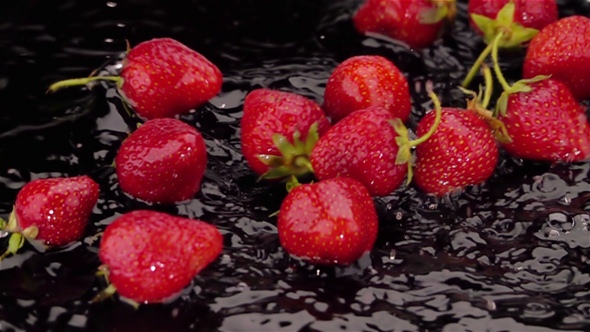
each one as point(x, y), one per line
point(510, 255)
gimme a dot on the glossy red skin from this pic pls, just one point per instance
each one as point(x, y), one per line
point(163, 78)
point(59, 207)
point(163, 161)
point(461, 152)
point(561, 50)
point(331, 222)
point(398, 19)
point(361, 146)
point(363, 81)
point(534, 14)
point(151, 256)
point(268, 112)
point(547, 124)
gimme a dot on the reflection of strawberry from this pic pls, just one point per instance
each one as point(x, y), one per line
point(54, 211)
point(417, 23)
point(562, 51)
point(363, 81)
point(163, 161)
point(151, 256)
point(517, 20)
point(328, 222)
point(279, 129)
point(161, 78)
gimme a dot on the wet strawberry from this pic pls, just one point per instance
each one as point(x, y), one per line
point(417, 23)
point(361, 146)
point(461, 152)
point(328, 222)
point(163, 161)
point(151, 256)
point(363, 81)
point(54, 211)
point(543, 119)
point(278, 131)
point(518, 21)
point(370, 146)
point(161, 78)
point(561, 50)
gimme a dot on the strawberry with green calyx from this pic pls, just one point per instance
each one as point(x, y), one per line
point(417, 23)
point(278, 132)
point(160, 78)
point(52, 211)
point(543, 118)
point(369, 146)
point(150, 256)
point(330, 222)
point(518, 20)
point(463, 150)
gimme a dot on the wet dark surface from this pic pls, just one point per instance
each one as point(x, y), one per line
point(511, 255)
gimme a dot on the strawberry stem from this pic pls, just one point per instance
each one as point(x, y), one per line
point(497, 69)
point(104, 294)
point(487, 96)
point(81, 81)
point(437, 118)
point(476, 65)
point(404, 153)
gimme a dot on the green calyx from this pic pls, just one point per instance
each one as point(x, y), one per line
point(17, 239)
point(443, 9)
point(293, 158)
point(517, 87)
point(404, 154)
point(513, 35)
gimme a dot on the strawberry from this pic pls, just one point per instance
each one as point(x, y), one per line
point(151, 256)
point(543, 119)
point(54, 211)
point(278, 130)
point(163, 161)
point(417, 23)
point(368, 145)
point(331, 222)
point(461, 152)
point(561, 50)
point(160, 78)
point(518, 20)
point(363, 81)
point(361, 146)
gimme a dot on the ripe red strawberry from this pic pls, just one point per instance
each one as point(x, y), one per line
point(545, 122)
point(518, 20)
point(278, 132)
point(151, 256)
point(328, 222)
point(163, 161)
point(561, 50)
point(461, 152)
point(54, 211)
point(370, 146)
point(361, 146)
point(543, 119)
point(418, 23)
point(363, 81)
point(161, 78)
